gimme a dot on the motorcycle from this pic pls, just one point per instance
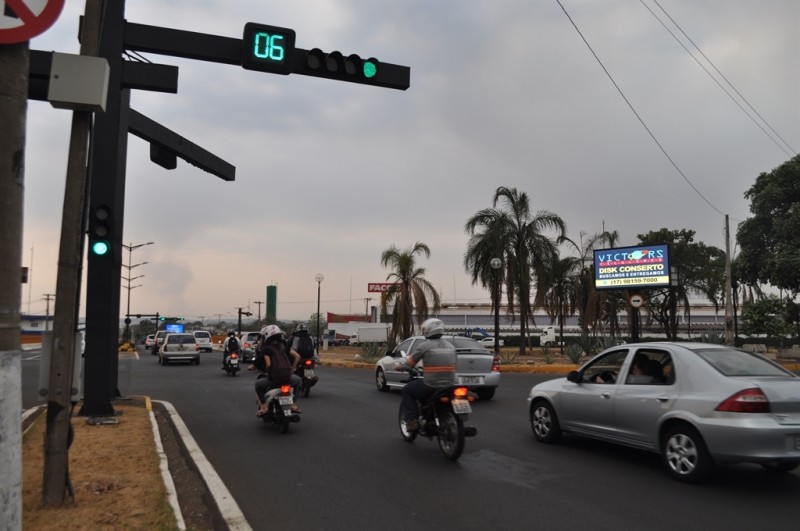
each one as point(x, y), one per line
point(442, 416)
point(279, 407)
point(232, 363)
point(305, 370)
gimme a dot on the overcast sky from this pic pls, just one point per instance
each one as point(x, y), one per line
point(503, 93)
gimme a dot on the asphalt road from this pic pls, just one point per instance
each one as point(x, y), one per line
point(345, 467)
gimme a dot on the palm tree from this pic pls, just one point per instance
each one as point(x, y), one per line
point(512, 234)
point(410, 291)
point(560, 299)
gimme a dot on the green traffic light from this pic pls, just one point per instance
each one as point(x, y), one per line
point(370, 69)
point(99, 248)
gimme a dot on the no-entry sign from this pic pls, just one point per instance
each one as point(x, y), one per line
point(21, 20)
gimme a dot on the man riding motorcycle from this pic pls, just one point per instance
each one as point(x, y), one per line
point(230, 345)
point(439, 359)
point(271, 347)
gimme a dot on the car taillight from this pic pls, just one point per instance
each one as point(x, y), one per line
point(286, 389)
point(246, 345)
point(748, 401)
point(496, 364)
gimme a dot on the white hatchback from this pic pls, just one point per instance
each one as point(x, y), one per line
point(203, 339)
point(179, 347)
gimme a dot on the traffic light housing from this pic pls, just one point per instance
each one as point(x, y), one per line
point(352, 68)
point(100, 233)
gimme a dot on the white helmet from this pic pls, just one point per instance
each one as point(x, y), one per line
point(432, 327)
point(270, 331)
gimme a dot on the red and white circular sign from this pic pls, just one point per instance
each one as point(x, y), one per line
point(636, 300)
point(21, 20)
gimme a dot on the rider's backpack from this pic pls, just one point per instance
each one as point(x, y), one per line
point(304, 346)
point(233, 344)
point(280, 369)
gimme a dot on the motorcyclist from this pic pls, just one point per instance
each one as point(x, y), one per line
point(229, 346)
point(273, 344)
point(302, 343)
point(439, 359)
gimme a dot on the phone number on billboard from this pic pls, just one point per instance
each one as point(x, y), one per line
point(629, 281)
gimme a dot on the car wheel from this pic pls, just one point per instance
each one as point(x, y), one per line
point(380, 380)
point(780, 466)
point(544, 422)
point(685, 455)
point(486, 394)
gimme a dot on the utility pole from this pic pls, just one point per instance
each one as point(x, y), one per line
point(259, 303)
point(48, 297)
point(56, 476)
point(366, 305)
point(13, 108)
point(729, 332)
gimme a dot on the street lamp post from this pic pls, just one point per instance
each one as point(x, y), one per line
point(495, 264)
point(319, 278)
point(131, 248)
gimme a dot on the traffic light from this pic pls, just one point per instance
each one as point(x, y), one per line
point(352, 68)
point(100, 231)
point(267, 48)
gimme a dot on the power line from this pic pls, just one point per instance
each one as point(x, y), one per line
point(641, 121)
point(788, 153)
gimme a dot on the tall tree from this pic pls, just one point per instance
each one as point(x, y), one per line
point(770, 240)
point(410, 292)
point(510, 232)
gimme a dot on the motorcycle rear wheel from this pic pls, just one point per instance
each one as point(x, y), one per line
point(306, 390)
point(451, 435)
point(408, 436)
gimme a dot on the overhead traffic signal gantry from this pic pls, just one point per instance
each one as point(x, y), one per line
point(272, 49)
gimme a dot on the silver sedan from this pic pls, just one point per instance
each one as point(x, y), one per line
point(476, 367)
point(696, 404)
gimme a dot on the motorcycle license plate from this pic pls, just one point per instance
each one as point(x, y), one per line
point(467, 380)
point(234, 363)
point(308, 373)
point(285, 400)
point(461, 406)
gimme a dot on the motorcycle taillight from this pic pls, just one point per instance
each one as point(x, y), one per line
point(460, 392)
point(234, 356)
point(286, 389)
point(307, 362)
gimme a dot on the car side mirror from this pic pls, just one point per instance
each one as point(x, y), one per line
point(574, 377)
point(403, 354)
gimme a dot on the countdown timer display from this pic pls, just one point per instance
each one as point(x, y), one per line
point(267, 48)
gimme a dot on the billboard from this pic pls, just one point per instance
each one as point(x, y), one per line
point(644, 266)
point(175, 328)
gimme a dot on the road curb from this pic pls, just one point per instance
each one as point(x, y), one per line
point(163, 464)
point(228, 508)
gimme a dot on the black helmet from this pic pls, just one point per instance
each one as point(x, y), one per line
point(231, 333)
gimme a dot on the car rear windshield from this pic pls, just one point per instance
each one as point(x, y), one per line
point(204, 335)
point(181, 340)
point(732, 362)
point(466, 342)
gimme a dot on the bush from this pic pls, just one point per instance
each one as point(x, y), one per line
point(372, 351)
point(574, 352)
point(509, 355)
point(547, 355)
